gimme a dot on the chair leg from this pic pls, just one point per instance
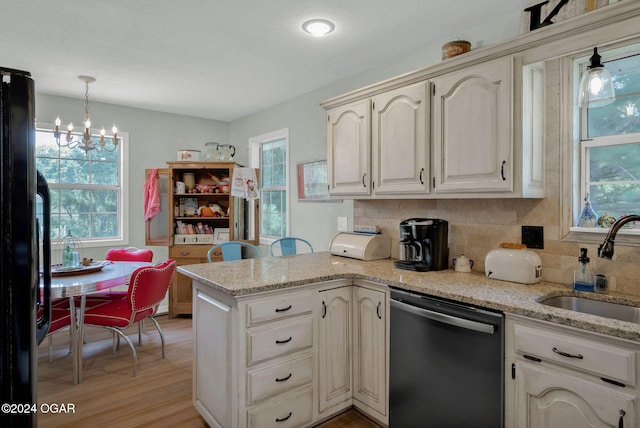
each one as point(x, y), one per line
point(50, 348)
point(133, 349)
point(140, 330)
point(159, 331)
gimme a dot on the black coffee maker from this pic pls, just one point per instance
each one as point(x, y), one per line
point(424, 244)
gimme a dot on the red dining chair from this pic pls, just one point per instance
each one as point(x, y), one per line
point(60, 318)
point(128, 254)
point(147, 288)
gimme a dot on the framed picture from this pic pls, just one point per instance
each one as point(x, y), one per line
point(313, 181)
point(220, 234)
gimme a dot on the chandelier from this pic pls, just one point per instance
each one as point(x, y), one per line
point(86, 142)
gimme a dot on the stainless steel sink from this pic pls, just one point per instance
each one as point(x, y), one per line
point(595, 307)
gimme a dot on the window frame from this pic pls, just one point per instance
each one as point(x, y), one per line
point(573, 66)
point(255, 145)
point(123, 203)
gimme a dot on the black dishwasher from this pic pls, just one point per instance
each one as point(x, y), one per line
point(446, 364)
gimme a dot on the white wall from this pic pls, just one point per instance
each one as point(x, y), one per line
point(306, 120)
point(154, 139)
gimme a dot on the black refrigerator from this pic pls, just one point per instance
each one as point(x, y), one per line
point(24, 306)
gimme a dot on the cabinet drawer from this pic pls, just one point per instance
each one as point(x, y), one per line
point(277, 308)
point(287, 413)
point(591, 356)
point(278, 379)
point(280, 339)
point(190, 251)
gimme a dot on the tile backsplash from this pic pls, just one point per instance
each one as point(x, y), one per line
point(477, 226)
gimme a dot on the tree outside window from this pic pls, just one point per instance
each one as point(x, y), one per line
point(610, 147)
point(273, 170)
point(85, 188)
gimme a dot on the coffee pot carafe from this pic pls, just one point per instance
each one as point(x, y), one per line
point(410, 251)
point(423, 244)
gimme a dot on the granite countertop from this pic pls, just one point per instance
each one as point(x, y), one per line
point(246, 277)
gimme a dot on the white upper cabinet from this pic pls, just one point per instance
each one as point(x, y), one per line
point(349, 149)
point(472, 123)
point(471, 132)
point(400, 141)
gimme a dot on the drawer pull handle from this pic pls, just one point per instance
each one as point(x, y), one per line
point(564, 354)
point(324, 309)
point(378, 310)
point(621, 421)
point(283, 309)
point(282, 379)
point(285, 418)
point(280, 342)
point(184, 253)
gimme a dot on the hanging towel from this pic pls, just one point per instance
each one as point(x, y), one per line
point(151, 195)
point(244, 184)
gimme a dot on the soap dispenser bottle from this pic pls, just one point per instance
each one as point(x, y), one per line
point(583, 275)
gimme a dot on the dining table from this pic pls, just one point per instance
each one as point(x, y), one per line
point(76, 284)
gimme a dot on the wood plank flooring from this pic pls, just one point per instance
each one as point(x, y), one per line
point(109, 396)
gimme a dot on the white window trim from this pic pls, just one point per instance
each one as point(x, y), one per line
point(571, 154)
point(123, 219)
point(254, 161)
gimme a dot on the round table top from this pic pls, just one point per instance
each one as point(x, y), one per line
point(111, 275)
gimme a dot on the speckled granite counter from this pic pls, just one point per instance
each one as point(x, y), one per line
point(247, 277)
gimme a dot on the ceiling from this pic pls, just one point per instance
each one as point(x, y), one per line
point(218, 59)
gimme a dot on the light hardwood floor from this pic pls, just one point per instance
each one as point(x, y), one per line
point(109, 396)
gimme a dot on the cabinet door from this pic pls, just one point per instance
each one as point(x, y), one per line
point(546, 398)
point(157, 229)
point(400, 140)
point(334, 350)
point(369, 356)
point(213, 359)
point(349, 149)
point(473, 124)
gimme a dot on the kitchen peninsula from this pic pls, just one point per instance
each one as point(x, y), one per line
point(296, 320)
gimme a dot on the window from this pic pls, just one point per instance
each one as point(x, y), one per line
point(270, 155)
point(87, 194)
point(610, 145)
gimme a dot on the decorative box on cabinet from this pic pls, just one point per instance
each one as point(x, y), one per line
point(188, 235)
point(562, 376)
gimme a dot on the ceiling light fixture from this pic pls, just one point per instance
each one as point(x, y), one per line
point(86, 143)
point(318, 27)
point(596, 85)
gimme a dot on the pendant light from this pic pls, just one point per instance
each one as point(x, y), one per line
point(596, 85)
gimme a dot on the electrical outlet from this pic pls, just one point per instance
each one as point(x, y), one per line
point(533, 237)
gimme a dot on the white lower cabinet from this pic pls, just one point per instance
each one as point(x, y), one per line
point(559, 376)
point(290, 358)
point(334, 349)
point(215, 362)
point(370, 357)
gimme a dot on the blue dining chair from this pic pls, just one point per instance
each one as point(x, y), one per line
point(232, 250)
point(288, 245)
